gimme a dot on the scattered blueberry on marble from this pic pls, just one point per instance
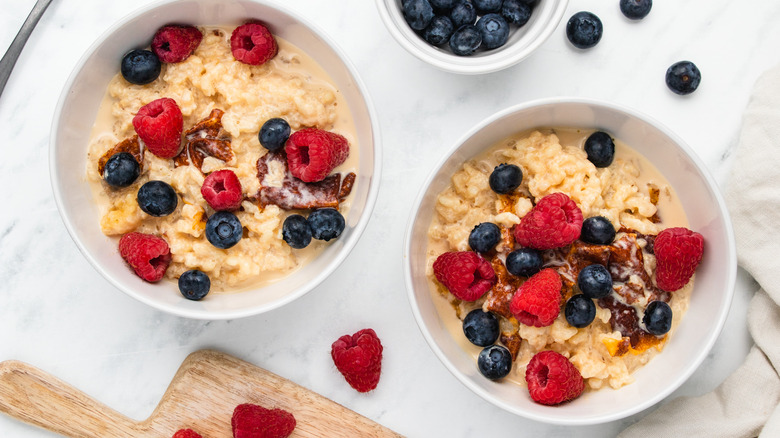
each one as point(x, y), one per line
point(494, 30)
point(157, 198)
point(658, 318)
point(484, 237)
point(274, 134)
point(121, 170)
point(597, 230)
point(224, 229)
point(140, 67)
point(481, 328)
point(579, 311)
point(683, 77)
point(296, 231)
point(494, 362)
point(595, 281)
point(600, 148)
point(439, 31)
point(636, 9)
point(505, 178)
point(524, 262)
point(194, 284)
point(326, 223)
point(418, 13)
point(465, 40)
point(584, 30)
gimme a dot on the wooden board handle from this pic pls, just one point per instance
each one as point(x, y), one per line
point(37, 398)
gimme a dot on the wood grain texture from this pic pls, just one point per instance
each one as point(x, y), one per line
point(201, 396)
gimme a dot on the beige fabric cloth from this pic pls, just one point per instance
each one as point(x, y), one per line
point(746, 403)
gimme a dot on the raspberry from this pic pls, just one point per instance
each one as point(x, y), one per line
point(537, 302)
point(186, 433)
point(554, 222)
point(175, 43)
point(222, 190)
point(552, 378)
point(678, 252)
point(159, 124)
point(313, 153)
point(467, 275)
point(253, 44)
point(359, 359)
point(148, 255)
point(253, 421)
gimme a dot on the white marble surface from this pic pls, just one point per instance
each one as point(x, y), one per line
point(59, 314)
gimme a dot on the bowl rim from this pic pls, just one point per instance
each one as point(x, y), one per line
point(493, 62)
point(204, 314)
point(712, 336)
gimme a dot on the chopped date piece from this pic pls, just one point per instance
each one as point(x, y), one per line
point(130, 145)
point(500, 295)
point(625, 320)
point(512, 342)
point(206, 138)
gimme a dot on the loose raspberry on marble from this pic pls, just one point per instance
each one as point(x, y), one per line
point(537, 302)
point(159, 124)
point(552, 379)
point(313, 153)
point(254, 421)
point(186, 433)
point(148, 255)
point(465, 274)
point(359, 359)
point(253, 44)
point(555, 221)
point(222, 190)
point(678, 251)
point(175, 43)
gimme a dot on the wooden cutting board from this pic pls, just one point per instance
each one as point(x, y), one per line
point(202, 396)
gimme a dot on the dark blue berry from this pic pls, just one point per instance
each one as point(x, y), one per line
point(443, 5)
point(326, 224)
point(223, 229)
point(487, 6)
point(600, 149)
point(597, 230)
point(481, 328)
point(140, 67)
point(584, 30)
point(683, 77)
point(636, 9)
point(296, 231)
point(274, 134)
point(157, 198)
point(505, 178)
point(194, 284)
point(484, 237)
point(595, 281)
point(580, 311)
point(463, 13)
point(516, 12)
point(439, 31)
point(494, 362)
point(524, 262)
point(465, 40)
point(121, 170)
point(418, 13)
point(494, 30)
point(658, 318)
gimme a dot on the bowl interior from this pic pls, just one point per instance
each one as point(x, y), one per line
point(76, 114)
point(706, 213)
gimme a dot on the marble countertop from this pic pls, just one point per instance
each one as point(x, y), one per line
point(60, 315)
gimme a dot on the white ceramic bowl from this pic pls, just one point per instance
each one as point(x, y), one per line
point(522, 41)
point(706, 212)
point(77, 110)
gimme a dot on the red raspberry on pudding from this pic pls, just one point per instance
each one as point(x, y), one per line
point(465, 274)
point(313, 153)
point(159, 124)
point(678, 252)
point(148, 255)
point(552, 379)
point(174, 43)
point(359, 359)
point(186, 433)
point(537, 302)
point(222, 190)
point(254, 421)
point(555, 221)
point(253, 44)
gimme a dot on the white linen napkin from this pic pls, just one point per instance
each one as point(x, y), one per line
point(746, 403)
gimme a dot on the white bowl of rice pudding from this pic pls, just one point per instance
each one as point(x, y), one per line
point(309, 83)
point(545, 139)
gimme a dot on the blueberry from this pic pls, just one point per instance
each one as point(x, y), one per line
point(636, 9)
point(484, 237)
point(597, 230)
point(465, 40)
point(524, 262)
point(516, 12)
point(223, 229)
point(157, 198)
point(194, 284)
point(658, 318)
point(580, 311)
point(463, 13)
point(296, 231)
point(121, 170)
point(481, 328)
point(487, 6)
point(494, 362)
point(595, 281)
point(584, 30)
point(274, 134)
point(418, 13)
point(505, 178)
point(683, 77)
point(443, 5)
point(326, 224)
point(140, 67)
point(494, 30)
point(439, 31)
point(600, 148)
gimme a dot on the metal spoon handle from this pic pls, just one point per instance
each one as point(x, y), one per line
point(10, 57)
